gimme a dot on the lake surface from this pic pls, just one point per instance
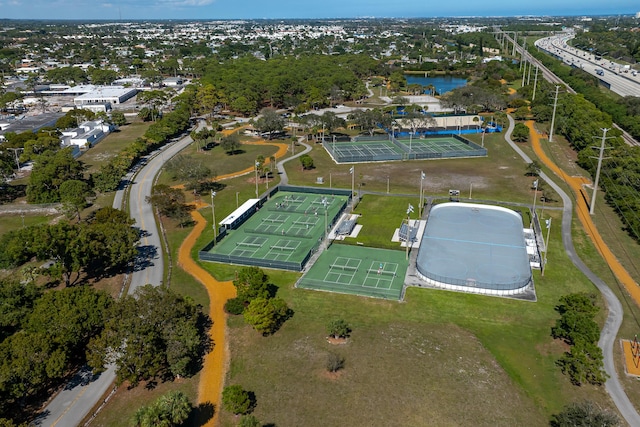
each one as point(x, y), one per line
point(442, 84)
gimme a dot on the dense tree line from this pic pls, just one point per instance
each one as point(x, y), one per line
point(625, 110)
point(154, 334)
point(620, 42)
point(581, 122)
point(105, 243)
point(42, 338)
point(583, 363)
point(159, 133)
point(247, 84)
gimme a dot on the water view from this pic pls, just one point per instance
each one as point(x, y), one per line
point(442, 84)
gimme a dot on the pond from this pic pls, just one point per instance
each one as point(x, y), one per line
point(443, 84)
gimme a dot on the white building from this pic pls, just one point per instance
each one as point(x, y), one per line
point(86, 135)
point(105, 95)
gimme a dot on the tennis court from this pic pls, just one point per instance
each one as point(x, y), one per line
point(282, 234)
point(388, 148)
point(377, 273)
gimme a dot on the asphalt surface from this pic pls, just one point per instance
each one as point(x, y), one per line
point(84, 391)
point(614, 316)
point(624, 84)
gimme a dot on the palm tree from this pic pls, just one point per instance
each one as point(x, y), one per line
point(175, 407)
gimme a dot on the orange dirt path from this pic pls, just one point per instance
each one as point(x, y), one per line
point(582, 209)
point(214, 366)
point(215, 363)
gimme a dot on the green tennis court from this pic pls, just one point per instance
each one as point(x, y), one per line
point(377, 273)
point(283, 233)
point(388, 148)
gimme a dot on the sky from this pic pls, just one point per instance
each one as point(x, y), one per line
point(289, 9)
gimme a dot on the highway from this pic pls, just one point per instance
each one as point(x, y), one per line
point(70, 406)
point(613, 75)
point(552, 78)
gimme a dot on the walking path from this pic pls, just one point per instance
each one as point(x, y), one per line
point(615, 312)
point(216, 362)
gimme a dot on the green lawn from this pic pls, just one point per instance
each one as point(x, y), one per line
point(109, 147)
point(438, 358)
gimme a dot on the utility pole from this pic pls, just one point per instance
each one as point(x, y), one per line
point(535, 84)
point(592, 208)
point(553, 116)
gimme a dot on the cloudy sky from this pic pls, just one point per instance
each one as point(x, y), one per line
point(238, 9)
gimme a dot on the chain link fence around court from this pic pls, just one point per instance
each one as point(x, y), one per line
point(381, 148)
point(297, 217)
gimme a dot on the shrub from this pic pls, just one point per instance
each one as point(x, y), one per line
point(234, 306)
point(249, 421)
point(335, 362)
point(338, 328)
point(236, 400)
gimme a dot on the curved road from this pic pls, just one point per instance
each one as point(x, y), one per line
point(615, 313)
point(84, 391)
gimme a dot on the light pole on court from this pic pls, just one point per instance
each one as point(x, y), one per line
point(408, 238)
point(422, 177)
point(257, 164)
point(213, 213)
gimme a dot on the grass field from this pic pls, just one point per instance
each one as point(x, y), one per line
point(109, 147)
point(439, 358)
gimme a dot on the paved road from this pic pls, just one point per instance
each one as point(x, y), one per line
point(624, 84)
point(84, 391)
point(615, 312)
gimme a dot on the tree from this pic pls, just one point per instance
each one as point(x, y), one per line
point(73, 194)
point(252, 282)
point(306, 161)
point(236, 400)
point(520, 133)
point(269, 121)
point(171, 409)
point(533, 168)
point(230, 143)
point(196, 174)
point(584, 414)
point(17, 303)
point(266, 315)
point(338, 328)
point(50, 170)
point(169, 201)
point(118, 118)
point(154, 333)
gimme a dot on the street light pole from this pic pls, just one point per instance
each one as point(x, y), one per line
point(535, 194)
point(387, 184)
point(237, 202)
point(546, 246)
point(470, 190)
point(422, 176)
point(257, 163)
point(213, 213)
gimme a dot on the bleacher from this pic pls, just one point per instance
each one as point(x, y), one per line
point(404, 231)
point(346, 227)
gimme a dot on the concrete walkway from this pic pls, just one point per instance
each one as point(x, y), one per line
point(614, 316)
